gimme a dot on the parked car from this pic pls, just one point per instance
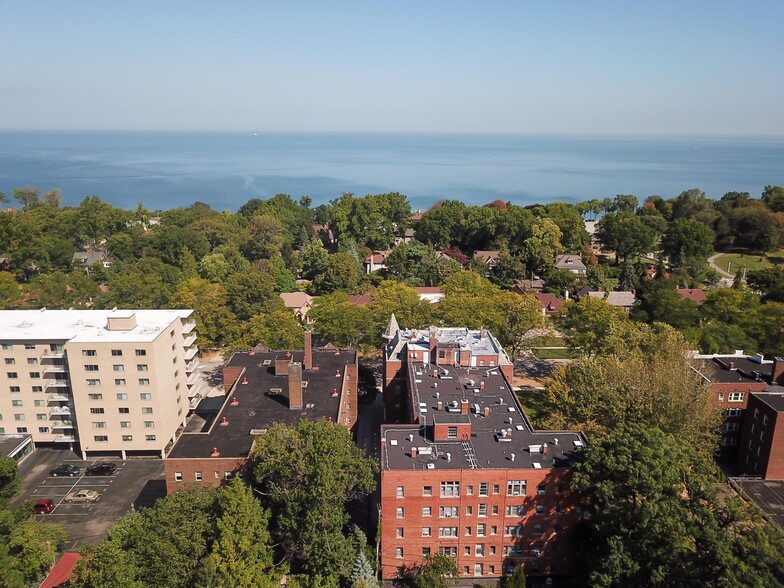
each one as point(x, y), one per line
point(82, 495)
point(101, 469)
point(65, 469)
point(43, 506)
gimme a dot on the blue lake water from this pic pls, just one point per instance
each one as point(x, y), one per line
point(225, 170)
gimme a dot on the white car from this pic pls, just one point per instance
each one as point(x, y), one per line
point(82, 495)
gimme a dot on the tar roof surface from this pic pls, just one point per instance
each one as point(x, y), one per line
point(487, 447)
point(773, 398)
point(258, 409)
point(718, 370)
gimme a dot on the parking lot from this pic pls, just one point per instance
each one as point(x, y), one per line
point(137, 483)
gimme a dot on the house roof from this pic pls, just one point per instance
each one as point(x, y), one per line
point(730, 369)
point(569, 261)
point(695, 294)
point(549, 302)
point(296, 299)
point(90, 257)
point(362, 299)
point(486, 256)
point(428, 290)
point(62, 570)
point(623, 299)
point(376, 258)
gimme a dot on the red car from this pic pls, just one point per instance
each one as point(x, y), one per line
point(44, 506)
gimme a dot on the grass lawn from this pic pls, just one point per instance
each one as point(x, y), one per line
point(533, 402)
point(750, 261)
point(552, 353)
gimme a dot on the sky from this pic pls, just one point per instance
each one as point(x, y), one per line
point(696, 67)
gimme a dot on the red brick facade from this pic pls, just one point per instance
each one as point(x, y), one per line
point(761, 451)
point(213, 471)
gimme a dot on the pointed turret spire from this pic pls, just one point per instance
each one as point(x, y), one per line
point(392, 329)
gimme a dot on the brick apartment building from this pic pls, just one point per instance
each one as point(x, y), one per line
point(761, 451)
point(262, 388)
point(102, 382)
point(466, 475)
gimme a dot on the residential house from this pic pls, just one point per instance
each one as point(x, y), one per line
point(362, 299)
point(571, 263)
point(463, 473)
point(623, 300)
point(549, 304)
point(694, 294)
point(489, 258)
point(407, 236)
point(300, 304)
point(375, 262)
point(528, 286)
point(90, 257)
point(433, 295)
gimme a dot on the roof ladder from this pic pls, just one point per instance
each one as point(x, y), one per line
point(470, 455)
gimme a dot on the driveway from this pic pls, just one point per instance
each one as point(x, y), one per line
point(726, 278)
point(136, 484)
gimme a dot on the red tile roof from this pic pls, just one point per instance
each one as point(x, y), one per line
point(695, 294)
point(62, 570)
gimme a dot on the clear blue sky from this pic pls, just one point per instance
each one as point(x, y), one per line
point(618, 67)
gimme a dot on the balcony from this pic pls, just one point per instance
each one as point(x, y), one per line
point(188, 327)
point(62, 425)
point(56, 384)
point(191, 352)
point(191, 366)
point(64, 439)
point(54, 369)
point(60, 411)
point(57, 397)
point(194, 391)
point(190, 340)
point(53, 354)
point(193, 378)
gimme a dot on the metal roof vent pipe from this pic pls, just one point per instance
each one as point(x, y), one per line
point(448, 457)
point(512, 457)
point(410, 437)
point(545, 448)
point(555, 441)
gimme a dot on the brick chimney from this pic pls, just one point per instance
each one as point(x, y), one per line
point(464, 407)
point(777, 375)
point(433, 343)
point(308, 363)
point(295, 386)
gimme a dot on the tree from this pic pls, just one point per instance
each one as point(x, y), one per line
point(626, 234)
point(241, 556)
point(543, 245)
point(755, 227)
point(9, 483)
point(688, 243)
point(773, 197)
point(33, 545)
point(394, 297)
point(339, 321)
point(521, 318)
point(251, 293)
point(589, 323)
point(276, 329)
point(435, 571)
point(9, 290)
point(362, 575)
point(665, 305)
point(342, 273)
point(29, 197)
point(307, 474)
point(517, 579)
point(314, 258)
point(419, 265)
point(265, 237)
point(441, 225)
point(208, 301)
point(768, 281)
point(625, 203)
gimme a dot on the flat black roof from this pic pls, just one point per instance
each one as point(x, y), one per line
point(264, 401)
point(11, 442)
point(504, 439)
point(730, 370)
point(773, 396)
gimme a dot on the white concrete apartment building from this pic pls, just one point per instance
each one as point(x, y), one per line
point(103, 382)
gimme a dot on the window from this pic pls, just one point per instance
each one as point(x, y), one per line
point(399, 532)
point(425, 531)
point(764, 419)
point(89, 353)
point(729, 440)
point(481, 530)
point(95, 396)
point(479, 550)
point(448, 511)
point(427, 491)
point(118, 367)
point(401, 492)
point(124, 410)
point(447, 531)
point(93, 382)
point(149, 437)
point(122, 396)
point(125, 424)
point(732, 426)
point(38, 389)
point(538, 530)
point(43, 429)
point(399, 552)
point(116, 352)
point(149, 424)
point(141, 367)
point(468, 531)
point(7, 346)
point(38, 403)
point(141, 352)
point(451, 432)
point(32, 361)
point(35, 375)
point(425, 551)
point(515, 510)
point(174, 346)
point(178, 476)
point(12, 375)
point(41, 416)
point(400, 512)
point(540, 509)
point(450, 489)
point(427, 511)
point(493, 530)
point(469, 490)
point(483, 487)
point(482, 511)
point(144, 381)
point(737, 396)
point(101, 438)
point(495, 510)
point(96, 411)
point(145, 396)
point(15, 389)
point(146, 410)
point(515, 488)
point(119, 382)
point(99, 425)
point(511, 530)
point(21, 429)
point(721, 396)
point(19, 417)
point(448, 551)
point(541, 490)
point(10, 361)
point(91, 367)
point(469, 511)
point(197, 476)
point(16, 403)
point(496, 489)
